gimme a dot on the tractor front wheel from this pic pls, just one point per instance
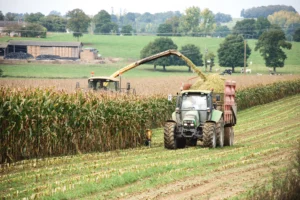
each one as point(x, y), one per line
point(209, 135)
point(170, 141)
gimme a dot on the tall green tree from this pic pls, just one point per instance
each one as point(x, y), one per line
point(164, 30)
point(1, 16)
point(270, 45)
point(189, 22)
point(296, 36)
point(174, 22)
point(207, 22)
point(127, 30)
point(222, 18)
point(262, 24)
point(193, 53)
point(231, 52)
point(78, 22)
point(246, 27)
point(54, 12)
point(265, 11)
point(11, 16)
point(157, 46)
point(103, 22)
point(34, 17)
point(54, 23)
point(222, 31)
point(34, 30)
point(290, 21)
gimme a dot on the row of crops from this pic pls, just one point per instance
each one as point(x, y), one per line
point(41, 123)
point(265, 139)
point(37, 123)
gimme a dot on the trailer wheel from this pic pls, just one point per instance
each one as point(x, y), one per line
point(209, 135)
point(228, 136)
point(220, 133)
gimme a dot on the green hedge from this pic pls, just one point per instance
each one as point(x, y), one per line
point(262, 94)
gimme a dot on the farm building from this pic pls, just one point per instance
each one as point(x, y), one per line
point(10, 25)
point(88, 54)
point(3, 47)
point(36, 48)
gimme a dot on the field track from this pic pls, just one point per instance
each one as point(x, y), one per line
point(265, 140)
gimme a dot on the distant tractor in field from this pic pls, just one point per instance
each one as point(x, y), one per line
point(202, 115)
point(104, 83)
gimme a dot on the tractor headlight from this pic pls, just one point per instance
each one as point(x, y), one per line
point(189, 123)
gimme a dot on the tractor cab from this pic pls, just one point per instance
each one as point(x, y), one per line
point(194, 108)
point(195, 103)
point(104, 83)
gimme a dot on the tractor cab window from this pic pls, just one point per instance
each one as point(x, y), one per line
point(103, 85)
point(92, 84)
point(107, 85)
point(194, 102)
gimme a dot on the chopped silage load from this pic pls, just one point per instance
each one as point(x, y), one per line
point(214, 81)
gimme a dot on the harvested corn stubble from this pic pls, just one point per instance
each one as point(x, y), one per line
point(214, 81)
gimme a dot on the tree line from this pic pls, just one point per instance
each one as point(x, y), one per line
point(230, 52)
point(265, 11)
point(105, 23)
point(193, 22)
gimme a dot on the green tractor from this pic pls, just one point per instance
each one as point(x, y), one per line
point(202, 115)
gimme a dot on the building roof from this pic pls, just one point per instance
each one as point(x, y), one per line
point(195, 91)
point(44, 43)
point(3, 45)
point(7, 23)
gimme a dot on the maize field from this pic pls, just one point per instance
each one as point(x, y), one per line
point(266, 138)
point(36, 123)
point(39, 123)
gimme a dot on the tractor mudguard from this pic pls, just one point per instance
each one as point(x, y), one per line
point(216, 115)
point(174, 116)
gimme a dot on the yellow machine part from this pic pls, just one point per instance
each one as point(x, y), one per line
point(159, 55)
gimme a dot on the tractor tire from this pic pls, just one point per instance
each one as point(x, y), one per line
point(220, 133)
point(209, 135)
point(228, 136)
point(169, 137)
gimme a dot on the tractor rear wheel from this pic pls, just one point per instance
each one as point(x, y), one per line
point(170, 141)
point(220, 133)
point(228, 136)
point(209, 135)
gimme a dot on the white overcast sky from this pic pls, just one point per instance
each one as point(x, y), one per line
point(92, 7)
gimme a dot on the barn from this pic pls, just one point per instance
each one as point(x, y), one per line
point(36, 48)
point(3, 47)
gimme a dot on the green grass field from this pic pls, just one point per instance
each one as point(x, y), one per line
point(128, 48)
point(265, 140)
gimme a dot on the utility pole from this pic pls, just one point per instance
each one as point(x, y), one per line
point(245, 58)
